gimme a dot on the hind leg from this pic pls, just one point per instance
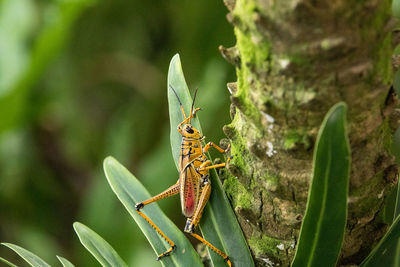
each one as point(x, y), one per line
point(192, 223)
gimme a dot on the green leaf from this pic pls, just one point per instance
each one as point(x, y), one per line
point(65, 262)
point(397, 207)
point(28, 256)
point(396, 8)
point(7, 262)
point(130, 191)
point(322, 230)
point(387, 213)
point(396, 82)
point(176, 80)
point(391, 256)
point(96, 245)
point(219, 225)
point(389, 242)
point(396, 145)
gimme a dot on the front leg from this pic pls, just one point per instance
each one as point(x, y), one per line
point(220, 149)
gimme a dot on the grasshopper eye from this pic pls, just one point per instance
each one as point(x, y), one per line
point(189, 130)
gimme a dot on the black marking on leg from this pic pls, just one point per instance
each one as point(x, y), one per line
point(189, 227)
point(138, 206)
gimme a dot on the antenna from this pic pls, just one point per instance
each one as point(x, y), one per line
point(180, 103)
point(191, 109)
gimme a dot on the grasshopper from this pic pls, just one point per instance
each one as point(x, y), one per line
point(193, 185)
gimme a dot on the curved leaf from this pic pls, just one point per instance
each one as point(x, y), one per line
point(322, 230)
point(388, 253)
point(130, 191)
point(28, 256)
point(65, 262)
point(7, 262)
point(389, 242)
point(100, 249)
point(219, 225)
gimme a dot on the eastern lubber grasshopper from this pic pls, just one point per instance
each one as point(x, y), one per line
point(193, 184)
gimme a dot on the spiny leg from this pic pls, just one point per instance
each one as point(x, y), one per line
point(220, 149)
point(203, 168)
point(211, 144)
point(173, 190)
point(192, 223)
point(208, 244)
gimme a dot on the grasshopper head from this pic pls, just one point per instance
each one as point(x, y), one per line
point(189, 131)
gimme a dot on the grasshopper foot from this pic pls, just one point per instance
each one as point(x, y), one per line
point(228, 261)
point(166, 253)
point(189, 227)
point(195, 111)
point(138, 206)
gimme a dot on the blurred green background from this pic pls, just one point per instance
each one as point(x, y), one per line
point(83, 79)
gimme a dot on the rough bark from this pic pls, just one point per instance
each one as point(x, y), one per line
point(294, 60)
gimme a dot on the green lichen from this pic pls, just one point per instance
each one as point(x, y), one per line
point(368, 199)
point(254, 54)
point(242, 197)
point(271, 182)
point(266, 245)
point(249, 58)
point(294, 137)
point(238, 161)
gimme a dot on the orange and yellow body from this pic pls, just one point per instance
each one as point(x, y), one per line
point(193, 184)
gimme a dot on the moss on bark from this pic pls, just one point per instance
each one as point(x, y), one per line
point(294, 60)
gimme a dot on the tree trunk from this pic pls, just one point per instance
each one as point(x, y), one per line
point(295, 59)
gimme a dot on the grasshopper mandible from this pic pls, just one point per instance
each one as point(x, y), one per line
point(193, 185)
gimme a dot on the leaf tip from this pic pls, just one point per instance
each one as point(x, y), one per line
point(108, 163)
point(77, 226)
point(176, 57)
point(342, 104)
point(108, 160)
point(175, 66)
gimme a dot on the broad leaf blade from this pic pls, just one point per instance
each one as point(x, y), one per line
point(176, 80)
point(100, 249)
point(389, 242)
point(322, 230)
point(65, 262)
point(130, 191)
point(28, 256)
point(219, 225)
